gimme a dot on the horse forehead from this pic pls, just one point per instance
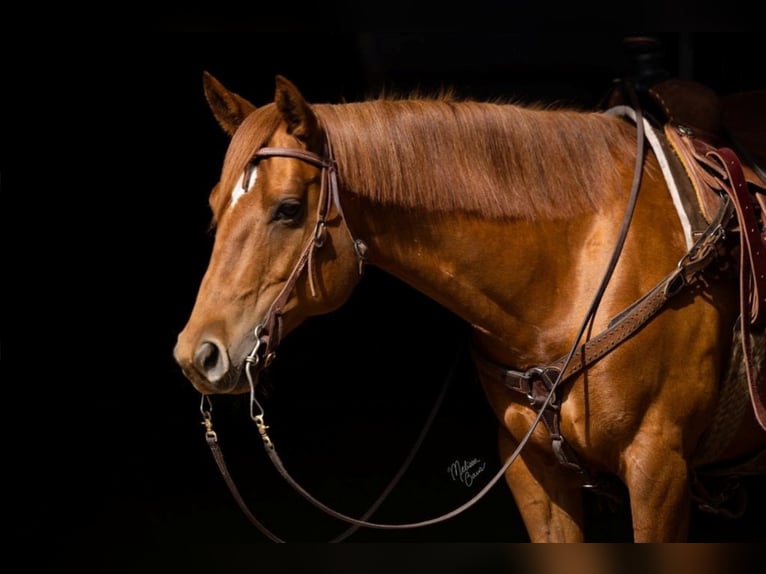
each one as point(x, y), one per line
point(244, 183)
point(283, 173)
point(280, 170)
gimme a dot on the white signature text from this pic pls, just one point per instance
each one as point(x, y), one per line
point(466, 471)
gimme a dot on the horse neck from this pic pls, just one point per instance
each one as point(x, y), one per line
point(501, 272)
point(503, 277)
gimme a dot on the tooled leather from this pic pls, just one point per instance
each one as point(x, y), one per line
point(706, 175)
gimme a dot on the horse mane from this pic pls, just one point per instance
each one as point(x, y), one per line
point(492, 159)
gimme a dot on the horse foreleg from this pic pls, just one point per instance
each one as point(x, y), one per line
point(660, 501)
point(550, 505)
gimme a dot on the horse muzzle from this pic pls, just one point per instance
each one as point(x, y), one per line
point(209, 367)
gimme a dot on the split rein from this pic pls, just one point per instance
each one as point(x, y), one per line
point(268, 334)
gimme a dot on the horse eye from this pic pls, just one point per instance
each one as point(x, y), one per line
point(288, 210)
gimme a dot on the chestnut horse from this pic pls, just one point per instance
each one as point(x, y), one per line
point(509, 216)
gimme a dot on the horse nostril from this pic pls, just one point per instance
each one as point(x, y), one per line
point(210, 360)
point(206, 356)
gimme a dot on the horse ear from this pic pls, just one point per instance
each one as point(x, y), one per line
point(229, 109)
point(300, 119)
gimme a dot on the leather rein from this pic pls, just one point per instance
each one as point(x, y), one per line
point(539, 384)
point(267, 336)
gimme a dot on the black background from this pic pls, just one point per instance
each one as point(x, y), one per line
point(109, 152)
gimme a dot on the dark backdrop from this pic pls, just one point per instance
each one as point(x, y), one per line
point(113, 151)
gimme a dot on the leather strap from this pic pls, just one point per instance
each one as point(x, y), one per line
point(752, 239)
point(211, 438)
point(268, 334)
point(270, 331)
point(629, 321)
point(752, 266)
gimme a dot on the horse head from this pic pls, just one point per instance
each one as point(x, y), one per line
point(282, 252)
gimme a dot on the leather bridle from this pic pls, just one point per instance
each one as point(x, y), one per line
point(268, 333)
point(542, 398)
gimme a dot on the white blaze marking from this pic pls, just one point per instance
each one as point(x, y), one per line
point(239, 187)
